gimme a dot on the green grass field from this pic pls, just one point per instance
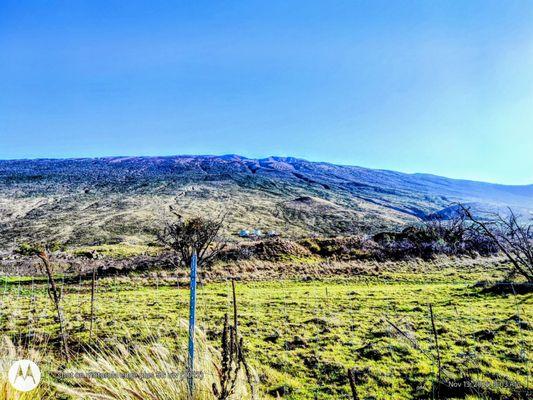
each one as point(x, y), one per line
point(302, 336)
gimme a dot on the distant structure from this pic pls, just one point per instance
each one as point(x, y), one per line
point(257, 233)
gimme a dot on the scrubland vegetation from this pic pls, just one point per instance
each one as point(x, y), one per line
point(440, 309)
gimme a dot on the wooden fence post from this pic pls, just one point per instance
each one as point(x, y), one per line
point(192, 323)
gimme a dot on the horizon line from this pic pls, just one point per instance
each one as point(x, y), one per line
point(259, 159)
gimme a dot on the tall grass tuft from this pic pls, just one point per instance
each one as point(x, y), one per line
point(150, 357)
point(8, 354)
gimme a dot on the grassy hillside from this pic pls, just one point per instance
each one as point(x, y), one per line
point(110, 200)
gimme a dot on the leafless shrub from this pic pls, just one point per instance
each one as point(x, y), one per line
point(513, 237)
point(185, 236)
point(436, 235)
point(42, 252)
point(340, 248)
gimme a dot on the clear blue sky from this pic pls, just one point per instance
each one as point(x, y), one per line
point(443, 87)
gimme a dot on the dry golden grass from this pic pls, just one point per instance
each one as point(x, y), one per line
point(147, 362)
point(116, 361)
point(8, 354)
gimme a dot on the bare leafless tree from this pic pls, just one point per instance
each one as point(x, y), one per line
point(184, 236)
point(513, 237)
point(42, 252)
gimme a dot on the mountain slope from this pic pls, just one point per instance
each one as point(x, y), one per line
point(120, 198)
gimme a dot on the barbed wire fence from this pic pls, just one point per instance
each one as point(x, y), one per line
point(120, 310)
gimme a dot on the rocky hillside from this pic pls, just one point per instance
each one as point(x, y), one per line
point(111, 200)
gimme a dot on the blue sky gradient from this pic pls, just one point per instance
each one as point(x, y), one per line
point(442, 87)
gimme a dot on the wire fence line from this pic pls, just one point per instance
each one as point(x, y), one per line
point(125, 309)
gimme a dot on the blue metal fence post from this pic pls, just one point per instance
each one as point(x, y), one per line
point(192, 323)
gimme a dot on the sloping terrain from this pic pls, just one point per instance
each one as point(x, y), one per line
point(109, 200)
